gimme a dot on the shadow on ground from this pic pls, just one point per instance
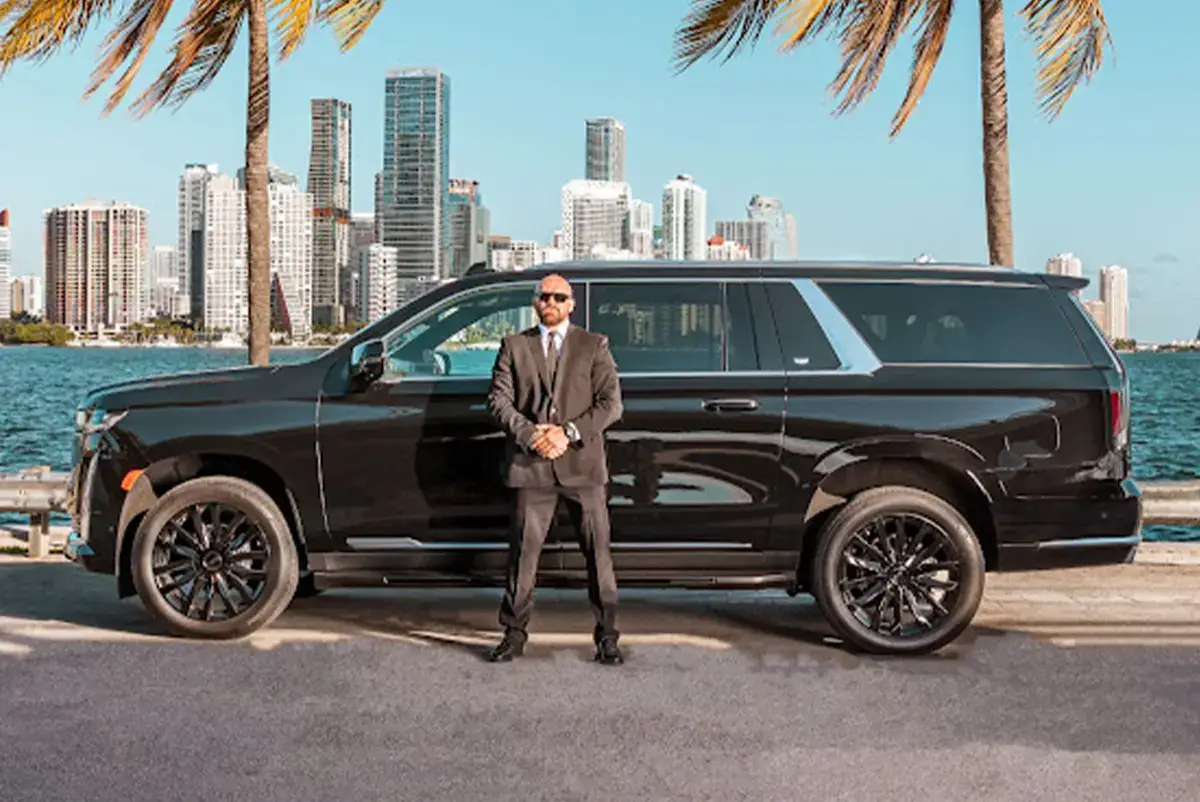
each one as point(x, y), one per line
point(55, 600)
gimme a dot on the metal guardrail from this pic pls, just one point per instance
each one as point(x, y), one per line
point(38, 492)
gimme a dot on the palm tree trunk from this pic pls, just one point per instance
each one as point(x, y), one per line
point(258, 208)
point(996, 191)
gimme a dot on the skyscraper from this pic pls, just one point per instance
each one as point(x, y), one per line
point(756, 235)
point(1114, 292)
point(594, 213)
point(193, 189)
point(1064, 264)
point(469, 224)
point(5, 267)
point(605, 150)
point(414, 182)
point(641, 229)
point(684, 219)
point(96, 257)
point(780, 225)
point(329, 185)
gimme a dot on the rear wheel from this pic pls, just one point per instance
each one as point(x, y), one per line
point(214, 558)
point(898, 571)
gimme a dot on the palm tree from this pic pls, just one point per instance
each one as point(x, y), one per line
point(35, 30)
point(1070, 36)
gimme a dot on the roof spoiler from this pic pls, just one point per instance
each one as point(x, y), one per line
point(1060, 282)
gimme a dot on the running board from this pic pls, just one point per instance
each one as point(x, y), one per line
point(553, 578)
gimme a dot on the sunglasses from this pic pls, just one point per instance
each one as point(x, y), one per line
point(557, 297)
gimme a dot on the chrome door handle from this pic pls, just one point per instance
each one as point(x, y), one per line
point(731, 405)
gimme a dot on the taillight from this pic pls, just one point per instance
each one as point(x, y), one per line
point(1116, 408)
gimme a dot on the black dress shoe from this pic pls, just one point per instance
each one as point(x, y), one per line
point(608, 653)
point(505, 651)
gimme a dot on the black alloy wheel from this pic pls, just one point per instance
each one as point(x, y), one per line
point(215, 559)
point(898, 571)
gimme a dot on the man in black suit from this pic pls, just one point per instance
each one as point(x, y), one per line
point(555, 392)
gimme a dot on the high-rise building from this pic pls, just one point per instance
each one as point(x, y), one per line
point(26, 297)
point(6, 307)
point(726, 250)
point(1114, 292)
point(594, 213)
point(780, 224)
point(684, 220)
point(469, 224)
point(414, 183)
point(329, 185)
point(162, 289)
point(193, 189)
point(377, 281)
point(641, 228)
point(605, 150)
point(363, 231)
point(96, 257)
point(226, 300)
point(1096, 310)
point(1064, 264)
point(754, 234)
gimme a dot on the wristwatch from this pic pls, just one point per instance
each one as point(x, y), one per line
point(572, 432)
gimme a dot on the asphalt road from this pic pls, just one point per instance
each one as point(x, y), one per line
point(383, 695)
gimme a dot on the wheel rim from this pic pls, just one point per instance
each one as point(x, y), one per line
point(210, 562)
point(900, 575)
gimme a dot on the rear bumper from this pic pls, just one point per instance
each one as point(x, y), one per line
point(1047, 533)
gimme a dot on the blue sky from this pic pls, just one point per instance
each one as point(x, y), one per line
point(1113, 180)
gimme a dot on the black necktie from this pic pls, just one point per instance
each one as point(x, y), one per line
point(552, 358)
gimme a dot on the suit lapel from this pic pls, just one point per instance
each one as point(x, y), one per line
point(539, 358)
point(569, 347)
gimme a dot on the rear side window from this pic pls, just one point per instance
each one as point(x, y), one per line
point(948, 323)
point(805, 346)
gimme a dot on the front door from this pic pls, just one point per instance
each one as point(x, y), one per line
point(414, 462)
point(695, 458)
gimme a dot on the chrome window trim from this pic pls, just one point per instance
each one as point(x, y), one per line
point(856, 357)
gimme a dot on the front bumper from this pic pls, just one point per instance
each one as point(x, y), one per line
point(94, 506)
point(1048, 533)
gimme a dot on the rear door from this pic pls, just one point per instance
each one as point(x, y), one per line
point(695, 459)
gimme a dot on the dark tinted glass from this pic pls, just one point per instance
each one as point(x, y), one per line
point(743, 353)
point(666, 327)
point(804, 344)
point(959, 322)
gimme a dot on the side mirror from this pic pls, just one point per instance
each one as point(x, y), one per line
point(366, 363)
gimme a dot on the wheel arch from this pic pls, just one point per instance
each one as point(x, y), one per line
point(949, 472)
point(164, 474)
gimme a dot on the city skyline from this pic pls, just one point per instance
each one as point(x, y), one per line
point(854, 193)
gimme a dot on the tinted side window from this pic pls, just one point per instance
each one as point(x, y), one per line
point(944, 323)
point(741, 346)
point(660, 327)
point(805, 346)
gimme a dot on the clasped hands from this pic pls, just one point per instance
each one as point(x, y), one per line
point(550, 440)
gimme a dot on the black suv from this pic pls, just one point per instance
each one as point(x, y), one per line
point(875, 435)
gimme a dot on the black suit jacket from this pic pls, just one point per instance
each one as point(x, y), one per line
point(586, 392)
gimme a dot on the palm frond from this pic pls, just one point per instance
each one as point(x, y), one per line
point(349, 19)
point(928, 49)
point(1070, 36)
point(35, 30)
point(869, 34)
point(136, 30)
point(203, 44)
point(293, 18)
point(713, 25)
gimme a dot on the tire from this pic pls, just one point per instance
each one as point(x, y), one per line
point(264, 531)
point(839, 542)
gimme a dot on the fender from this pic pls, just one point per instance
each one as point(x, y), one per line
point(836, 474)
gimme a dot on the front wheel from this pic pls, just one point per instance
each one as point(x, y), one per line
point(898, 571)
point(215, 559)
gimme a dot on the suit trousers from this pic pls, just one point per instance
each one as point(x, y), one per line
point(533, 514)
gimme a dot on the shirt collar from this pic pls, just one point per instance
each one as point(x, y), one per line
point(561, 329)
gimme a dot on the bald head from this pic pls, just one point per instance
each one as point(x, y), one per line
point(553, 301)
